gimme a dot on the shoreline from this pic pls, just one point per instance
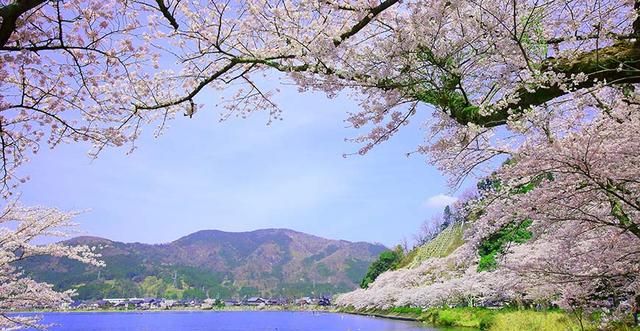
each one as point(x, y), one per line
point(380, 315)
point(188, 310)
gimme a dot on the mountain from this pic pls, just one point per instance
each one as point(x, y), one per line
point(269, 262)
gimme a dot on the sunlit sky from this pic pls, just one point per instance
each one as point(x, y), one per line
point(242, 175)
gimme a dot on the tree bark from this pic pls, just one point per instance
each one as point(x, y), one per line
point(10, 14)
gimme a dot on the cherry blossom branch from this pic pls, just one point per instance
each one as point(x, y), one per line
point(10, 14)
point(167, 14)
point(370, 15)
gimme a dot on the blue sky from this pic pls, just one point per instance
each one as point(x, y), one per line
point(242, 175)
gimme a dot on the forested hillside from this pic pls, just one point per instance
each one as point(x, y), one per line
point(273, 262)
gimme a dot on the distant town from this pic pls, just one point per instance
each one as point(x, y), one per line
point(197, 304)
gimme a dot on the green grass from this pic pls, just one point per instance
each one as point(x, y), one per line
point(408, 258)
point(406, 310)
point(479, 318)
point(505, 319)
point(403, 312)
point(444, 244)
point(532, 320)
point(621, 327)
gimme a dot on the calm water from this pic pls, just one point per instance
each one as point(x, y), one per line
point(225, 321)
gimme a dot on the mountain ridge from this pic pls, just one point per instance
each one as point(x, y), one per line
point(100, 238)
point(273, 261)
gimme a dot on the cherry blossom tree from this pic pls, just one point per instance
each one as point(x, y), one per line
point(520, 65)
point(89, 70)
point(580, 189)
point(584, 205)
point(21, 231)
point(70, 71)
point(429, 229)
point(549, 85)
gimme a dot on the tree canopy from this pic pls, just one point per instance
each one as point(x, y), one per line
point(386, 261)
point(549, 85)
point(101, 71)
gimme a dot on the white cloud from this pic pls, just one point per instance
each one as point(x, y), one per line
point(440, 201)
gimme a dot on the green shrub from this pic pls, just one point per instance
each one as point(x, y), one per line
point(386, 261)
point(488, 262)
point(496, 244)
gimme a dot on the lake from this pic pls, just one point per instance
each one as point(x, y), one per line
point(225, 321)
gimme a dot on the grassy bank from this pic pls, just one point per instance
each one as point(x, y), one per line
point(404, 313)
point(501, 319)
point(493, 319)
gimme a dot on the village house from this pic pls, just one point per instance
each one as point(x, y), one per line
point(255, 301)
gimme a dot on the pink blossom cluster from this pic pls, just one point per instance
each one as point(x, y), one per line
point(20, 230)
point(583, 201)
point(549, 86)
point(100, 71)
